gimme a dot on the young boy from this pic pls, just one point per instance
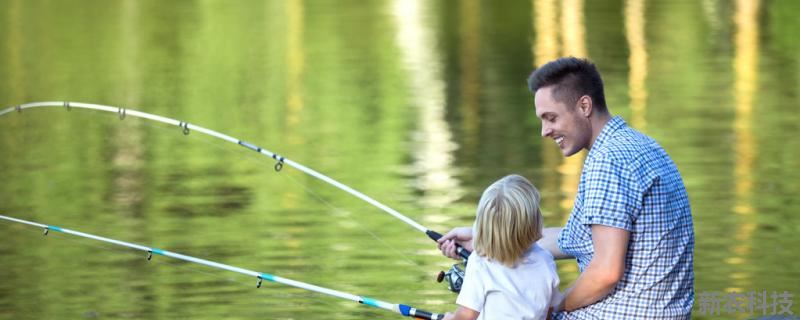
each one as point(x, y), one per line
point(508, 276)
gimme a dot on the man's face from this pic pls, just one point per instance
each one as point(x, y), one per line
point(567, 125)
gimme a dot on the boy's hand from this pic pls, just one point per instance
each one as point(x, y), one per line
point(447, 243)
point(462, 313)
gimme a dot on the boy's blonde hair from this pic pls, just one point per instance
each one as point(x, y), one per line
point(508, 221)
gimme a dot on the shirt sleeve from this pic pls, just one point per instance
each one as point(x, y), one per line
point(612, 196)
point(473, 293)
point(556, 297)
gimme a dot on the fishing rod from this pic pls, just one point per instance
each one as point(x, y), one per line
point(188, 127)
point(402, 309)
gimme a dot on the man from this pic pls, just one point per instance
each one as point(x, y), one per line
point(630, 229)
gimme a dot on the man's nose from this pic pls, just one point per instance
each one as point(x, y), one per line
point(545, 130)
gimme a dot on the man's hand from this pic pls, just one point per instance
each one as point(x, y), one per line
point(447, 243)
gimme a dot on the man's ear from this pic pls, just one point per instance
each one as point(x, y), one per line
point(585, 105)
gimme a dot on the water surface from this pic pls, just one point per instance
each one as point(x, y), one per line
point(419, 104)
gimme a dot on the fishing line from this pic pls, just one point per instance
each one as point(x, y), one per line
point(359, 225)
point(259, 163)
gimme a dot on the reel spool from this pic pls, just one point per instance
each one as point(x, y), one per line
point(454, 276)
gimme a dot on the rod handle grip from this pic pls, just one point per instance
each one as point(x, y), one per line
point(463, 253)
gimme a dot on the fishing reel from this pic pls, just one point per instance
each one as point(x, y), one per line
point(454, 276)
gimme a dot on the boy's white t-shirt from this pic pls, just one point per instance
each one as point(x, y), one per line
point(526, 291)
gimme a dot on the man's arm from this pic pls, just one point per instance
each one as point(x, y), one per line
point(549, 242)
point(604, 271)
point(463, 236)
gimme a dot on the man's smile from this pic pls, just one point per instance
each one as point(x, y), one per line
point(559, 140)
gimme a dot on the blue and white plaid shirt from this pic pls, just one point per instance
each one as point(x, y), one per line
point(629, 182)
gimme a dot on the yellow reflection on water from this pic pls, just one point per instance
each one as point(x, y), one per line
point(545, 17)
point(295, 62)
point(572, 26)
point(127, 156)
point(637, 61)
point(295, 66)
point(13, 38)
point(432, 142)
point(745, 64)
point(545, 49)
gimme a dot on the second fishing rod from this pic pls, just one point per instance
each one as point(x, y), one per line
point(403, 309)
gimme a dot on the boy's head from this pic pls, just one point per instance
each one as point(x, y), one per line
point(508, 221)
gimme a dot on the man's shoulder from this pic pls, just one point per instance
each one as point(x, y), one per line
point(627, 145)
point(632, 154)
point(629, 138)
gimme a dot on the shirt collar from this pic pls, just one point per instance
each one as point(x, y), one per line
point(611, 126)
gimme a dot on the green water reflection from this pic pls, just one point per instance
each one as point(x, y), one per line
point(419, 104)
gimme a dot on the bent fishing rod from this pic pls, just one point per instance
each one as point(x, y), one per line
point(402, 309)
point(188, 127)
